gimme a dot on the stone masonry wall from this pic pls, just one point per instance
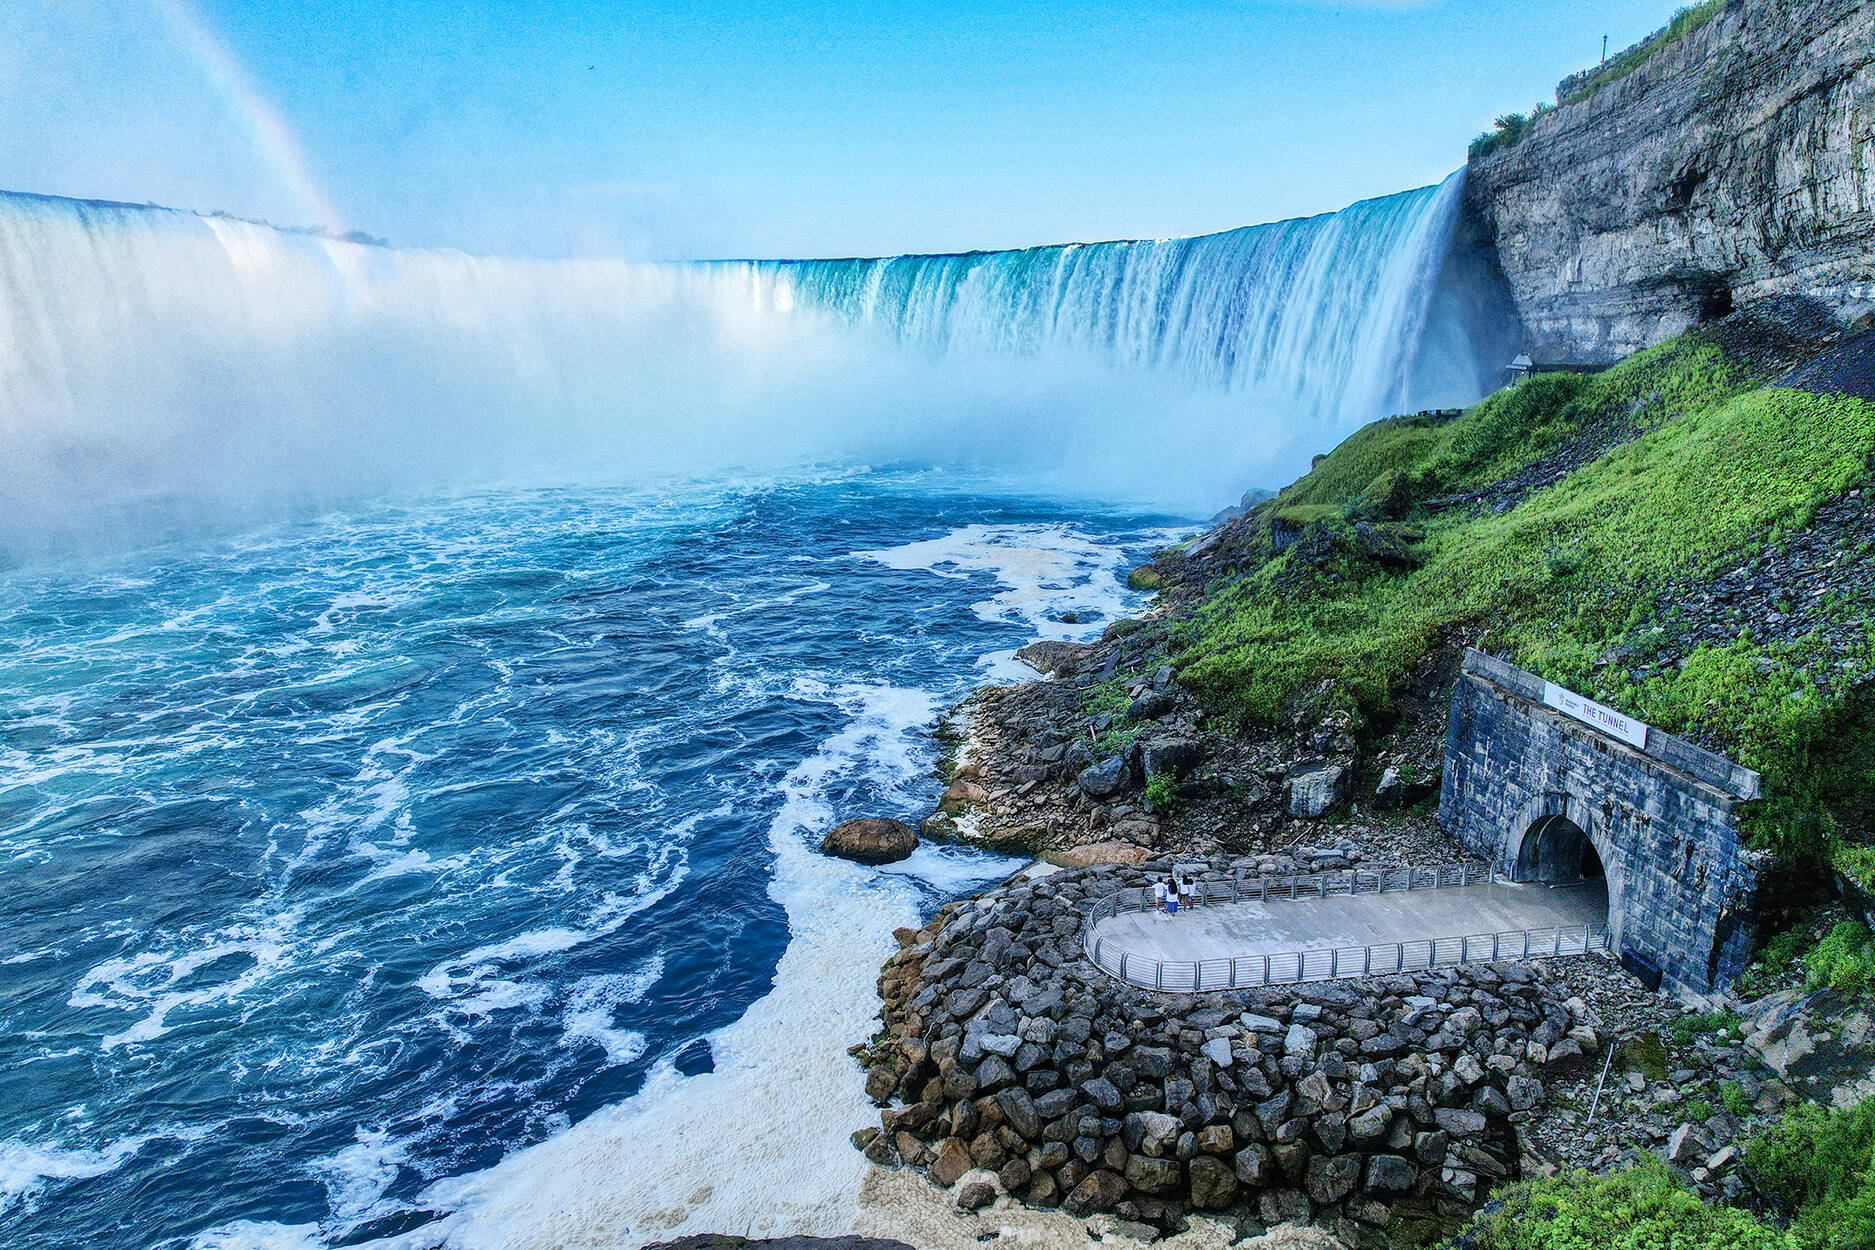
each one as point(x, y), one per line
point(1736, 164)
point(1681, 884)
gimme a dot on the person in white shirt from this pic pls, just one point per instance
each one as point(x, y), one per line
point(1184, 892)
point(1158, 894)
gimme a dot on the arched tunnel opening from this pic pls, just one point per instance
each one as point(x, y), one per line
point(1557, 852)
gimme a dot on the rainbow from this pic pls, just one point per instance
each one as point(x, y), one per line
point(273, 140)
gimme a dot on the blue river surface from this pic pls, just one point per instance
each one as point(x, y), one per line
point(356, 854)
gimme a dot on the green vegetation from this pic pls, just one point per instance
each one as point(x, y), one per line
point(1513, 128)
point(1844, 961)
point(1732, 1095)
point(1857, 862)
point(1779, 956)
point(1110, 698)
point(1684, 23)
point(1645, 1208)
point(1162, 792)
point(1725, 1023)
point(1566, 577)
point(1819, 1165)
point(1510, 130)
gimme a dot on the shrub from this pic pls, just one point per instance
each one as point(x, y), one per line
point(1644, 1208)
point(1732, 1094)
point(1162, 792)
point(1686, 1028)
point(1843, 960)
point(1819, 1166)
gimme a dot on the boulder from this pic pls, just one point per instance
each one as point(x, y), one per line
point(1150, 706)
point(1055, 659)
point(953, 1160)
point(1314, 792)
point(1174, 756)
point(1104, 779)
point(1332, 1179)
point(1213, 1187)
point(1094, 854)
point(1390, 1174)
point(870, 840)
point(975, 1193)
point(1154, 1176)
point(1100, 1191)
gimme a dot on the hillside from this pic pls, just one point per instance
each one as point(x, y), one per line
point(1686, 537)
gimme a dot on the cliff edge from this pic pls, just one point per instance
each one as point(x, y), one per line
point(1735, 160)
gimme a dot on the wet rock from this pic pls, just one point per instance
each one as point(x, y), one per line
point(953, 1160)
point(871, 840)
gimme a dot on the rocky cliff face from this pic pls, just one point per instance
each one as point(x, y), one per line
point(1736, 163)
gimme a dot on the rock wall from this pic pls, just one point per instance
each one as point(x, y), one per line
point(1010, 1065)
point(1735, 164)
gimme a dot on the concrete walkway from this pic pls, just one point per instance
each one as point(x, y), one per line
point(1250, 930)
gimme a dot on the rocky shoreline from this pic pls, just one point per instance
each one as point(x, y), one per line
point(1010, 1066)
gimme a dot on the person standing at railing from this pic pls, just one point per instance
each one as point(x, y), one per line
point(1172, 894)
point(1158, 894)
point(1184, 893)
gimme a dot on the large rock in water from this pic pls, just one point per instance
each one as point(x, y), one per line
point(871, 840)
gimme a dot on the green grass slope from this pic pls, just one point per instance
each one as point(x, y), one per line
point(1553, 515)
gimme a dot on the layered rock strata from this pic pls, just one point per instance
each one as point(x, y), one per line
point(1735, 163)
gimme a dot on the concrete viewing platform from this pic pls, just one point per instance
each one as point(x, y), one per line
point(1234, 944)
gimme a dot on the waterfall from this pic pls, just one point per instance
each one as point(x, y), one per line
point(1327, 311)
point(162, 370)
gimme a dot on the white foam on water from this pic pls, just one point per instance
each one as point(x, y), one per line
point(26, 1167)
point(150, 981)
point(259, 1235)
point(759, 1144)
point(1046, 572)
point(478, 982)
point(588, 1015)
point(357, 1175)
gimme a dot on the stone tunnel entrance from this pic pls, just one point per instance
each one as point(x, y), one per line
point(1558, 790)
point(1556, 852)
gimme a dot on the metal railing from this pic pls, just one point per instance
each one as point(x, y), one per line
point(1328, 963)
point(1314, 885)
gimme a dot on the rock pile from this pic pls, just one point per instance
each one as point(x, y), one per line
point(1008, 1064)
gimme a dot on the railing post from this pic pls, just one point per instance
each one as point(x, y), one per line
point(1158, 975)
point(1494, 938)
point(1123, 975)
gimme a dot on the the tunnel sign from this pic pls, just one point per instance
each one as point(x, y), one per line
point(1601, 717)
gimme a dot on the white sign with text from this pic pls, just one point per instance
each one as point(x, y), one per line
point(1589, 712)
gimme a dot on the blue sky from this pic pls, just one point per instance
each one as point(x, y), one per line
point(762, 129)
